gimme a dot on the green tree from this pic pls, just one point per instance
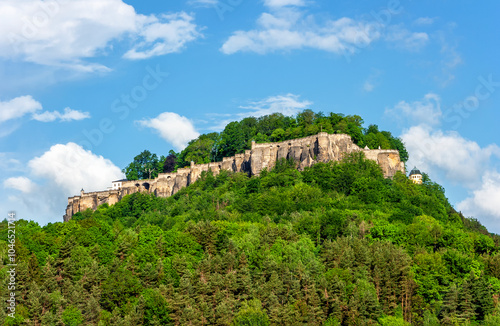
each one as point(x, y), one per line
point(72, 316)
point(144, 166)
point(156, 310)
point(251, 314)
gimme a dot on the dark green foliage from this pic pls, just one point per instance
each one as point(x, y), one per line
point(170, 162)
point(156, 310)
point(336, 244)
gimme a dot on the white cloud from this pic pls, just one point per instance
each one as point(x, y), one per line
point(406, 40)
point(23, 105)
point(8, 163)
point(203, 3)
point(66, 33)
point(288, 104)
point(372, 81)
point(175, 129)
point(168, 35)
point(289, 29)
point(368, 86)
point(436, 152)
point(22, 184)
point(68, 115)
point(60, 172)
point(448, 157)
point(484, 201)
point(422, 21)
point(69, 167)
point(427, 111)
point(283, 3)
point(18, 107)
point(451, 59)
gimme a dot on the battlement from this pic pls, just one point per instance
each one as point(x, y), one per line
point(306, 151)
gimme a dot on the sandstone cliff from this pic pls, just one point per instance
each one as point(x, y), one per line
point(306, 151)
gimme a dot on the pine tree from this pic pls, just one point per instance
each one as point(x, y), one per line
point(35, 303)
point(466, 307)
point(481, 295)
point(450, 304)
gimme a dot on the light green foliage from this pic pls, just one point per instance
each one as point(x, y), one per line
point(393, 321)
point(72, 316)
point(251, 314)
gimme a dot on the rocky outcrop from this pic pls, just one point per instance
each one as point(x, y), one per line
point(306, 151)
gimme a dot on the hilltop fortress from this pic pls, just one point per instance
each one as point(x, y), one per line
point(322, 147)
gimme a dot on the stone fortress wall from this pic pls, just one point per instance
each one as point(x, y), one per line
point(322, 147)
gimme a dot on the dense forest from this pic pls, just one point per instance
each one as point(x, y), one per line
point(335, 244)
point(237, 136)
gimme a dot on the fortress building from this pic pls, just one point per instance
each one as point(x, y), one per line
point(415, 176)
point(307, 151)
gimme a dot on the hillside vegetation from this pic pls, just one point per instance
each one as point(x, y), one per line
point(336, 244)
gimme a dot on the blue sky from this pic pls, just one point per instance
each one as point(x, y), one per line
point(85, 85)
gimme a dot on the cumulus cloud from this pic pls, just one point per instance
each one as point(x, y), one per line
point(175, 129)
point(462, 161)
point(289, 29)
point(484, 200)
point(69, 167)
point(41, 194)
point(18, 107)
point(448, 156)
point(68, 115)
point(427, 111)
point(22, 184)
point(66, 33)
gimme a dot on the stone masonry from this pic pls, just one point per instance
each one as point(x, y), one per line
point(322, 147)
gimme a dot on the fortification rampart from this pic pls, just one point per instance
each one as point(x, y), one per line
point(322, 147)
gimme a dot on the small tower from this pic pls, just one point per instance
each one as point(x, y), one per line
point(415, 176)
point(82, 192)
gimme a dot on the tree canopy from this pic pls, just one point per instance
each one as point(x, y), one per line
point(144, 166)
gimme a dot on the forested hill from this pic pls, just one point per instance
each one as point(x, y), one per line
point(336, 244)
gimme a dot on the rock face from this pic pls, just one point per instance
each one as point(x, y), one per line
point(306, 151)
